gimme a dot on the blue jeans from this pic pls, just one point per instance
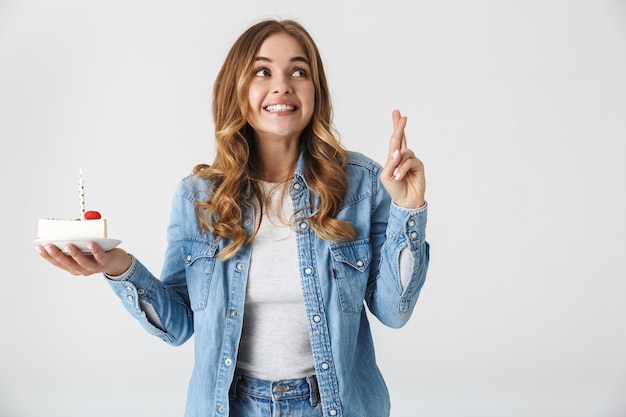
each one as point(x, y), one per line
point(252, 397)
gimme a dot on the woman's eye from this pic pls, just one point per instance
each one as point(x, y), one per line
point(299, 72)
point(261, 72)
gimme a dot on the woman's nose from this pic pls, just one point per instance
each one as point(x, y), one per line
point(282, 85)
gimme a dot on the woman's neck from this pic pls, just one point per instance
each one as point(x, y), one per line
point(277, 160)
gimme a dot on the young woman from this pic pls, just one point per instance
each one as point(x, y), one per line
point(274, 249)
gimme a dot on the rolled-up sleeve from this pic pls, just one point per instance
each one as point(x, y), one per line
point(161, 305)
point(392, 298)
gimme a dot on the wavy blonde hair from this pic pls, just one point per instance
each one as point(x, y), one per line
point(234, 169)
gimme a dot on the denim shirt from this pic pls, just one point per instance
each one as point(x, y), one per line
point(199, 294)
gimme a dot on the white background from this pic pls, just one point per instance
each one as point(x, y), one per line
point(518, 110)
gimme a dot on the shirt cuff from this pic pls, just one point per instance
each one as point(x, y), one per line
point(408, 223)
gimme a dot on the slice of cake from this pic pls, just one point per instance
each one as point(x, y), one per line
point(94, 226)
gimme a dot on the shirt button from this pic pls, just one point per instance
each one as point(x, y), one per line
point(333, 412)
point(188, 258)
point(303, 225)
point(220, 409)
point(297, 186)
point(359, 263)
point(317, 319)
point(308, 271)
point(129, 288)
point(141, 291)
point(228, 362)
point(325, 366)
point(246, 222)
point(233, 313)
point(240, 266)
point(411, 223)
point(130, 298)
point(414, 235)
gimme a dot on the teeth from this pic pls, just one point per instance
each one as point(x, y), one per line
point(280, 107)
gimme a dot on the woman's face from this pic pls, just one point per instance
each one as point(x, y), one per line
point(281, 95)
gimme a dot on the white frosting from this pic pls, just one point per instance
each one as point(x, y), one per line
point(53, 228)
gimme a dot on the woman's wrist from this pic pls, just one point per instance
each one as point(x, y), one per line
point(121, 267)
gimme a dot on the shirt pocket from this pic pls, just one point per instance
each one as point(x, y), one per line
point(199, 256)
point(351, 261)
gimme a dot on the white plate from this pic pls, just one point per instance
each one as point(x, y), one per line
point(80, 243)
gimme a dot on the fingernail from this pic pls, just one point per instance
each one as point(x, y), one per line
point(39, 250)
point(396, 173)
point(91, 247)
point(48, 248)
point(395, 153)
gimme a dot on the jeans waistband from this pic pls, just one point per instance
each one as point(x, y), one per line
point(276, 391)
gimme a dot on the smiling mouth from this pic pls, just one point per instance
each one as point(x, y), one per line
point(277, 108)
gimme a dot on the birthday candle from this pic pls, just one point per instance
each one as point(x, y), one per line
point(81, 194)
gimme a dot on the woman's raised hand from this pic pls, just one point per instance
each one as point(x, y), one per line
point(403, 174)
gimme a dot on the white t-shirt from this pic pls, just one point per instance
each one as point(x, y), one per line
point(275, 341)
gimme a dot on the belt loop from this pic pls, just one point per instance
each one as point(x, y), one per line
point(314, 397)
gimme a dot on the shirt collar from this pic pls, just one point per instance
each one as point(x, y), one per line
point(299, 184)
